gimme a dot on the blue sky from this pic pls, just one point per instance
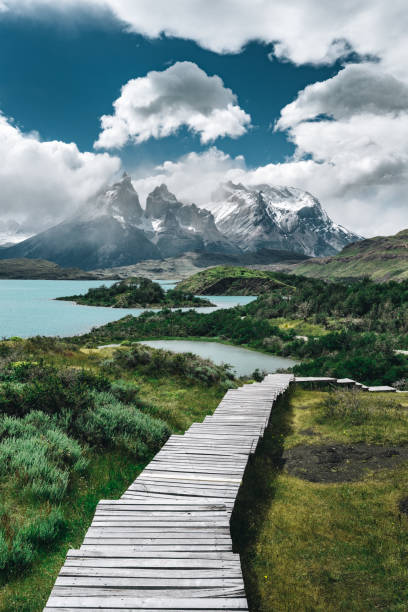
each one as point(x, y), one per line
point(59, 81)
point(308, 94)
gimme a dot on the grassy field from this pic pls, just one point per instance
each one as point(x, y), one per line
point(315, 546)
point(175, 399)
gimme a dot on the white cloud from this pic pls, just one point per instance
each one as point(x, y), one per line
point(358, 160)
point(303, 31)
point(192, 178)
point(43, 182)
point(158, 104)
point(357, 89)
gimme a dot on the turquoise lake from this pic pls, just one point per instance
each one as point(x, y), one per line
point(28, 308)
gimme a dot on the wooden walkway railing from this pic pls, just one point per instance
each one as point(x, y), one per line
point(166, 544)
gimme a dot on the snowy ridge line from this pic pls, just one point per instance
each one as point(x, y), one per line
point(166, 543)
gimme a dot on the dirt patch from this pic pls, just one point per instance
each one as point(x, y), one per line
point(340, 462)
point(403, 505)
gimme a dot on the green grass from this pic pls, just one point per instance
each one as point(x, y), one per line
point(108, 476)
point(176, 400)
point(386, 420)
point(301, 327)
point(323, 547)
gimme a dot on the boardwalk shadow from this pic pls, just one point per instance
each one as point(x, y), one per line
point(257, 492)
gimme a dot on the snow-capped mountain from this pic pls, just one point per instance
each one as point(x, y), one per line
point(285, 218)
point(114, 230)
point(179, 228)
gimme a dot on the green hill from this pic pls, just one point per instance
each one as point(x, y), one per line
point(230, 280)
point(381, 258)
point(23, 268)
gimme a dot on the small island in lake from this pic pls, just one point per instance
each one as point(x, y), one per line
point(137, 292)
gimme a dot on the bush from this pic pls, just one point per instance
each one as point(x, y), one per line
point(112, 423)
point(41, 533)
point(158, 361)
point(39, 455)
point(125, 391)
point(258, 375)
point(21, 554)
point(4, 551)
point(44, 531)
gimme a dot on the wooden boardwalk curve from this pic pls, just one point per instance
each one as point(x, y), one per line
point(165, 544)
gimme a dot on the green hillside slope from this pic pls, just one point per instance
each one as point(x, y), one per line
point(230, 280)
point(381, 258)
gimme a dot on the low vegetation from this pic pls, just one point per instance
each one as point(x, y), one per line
point(338, 329)
point(231, 280)
point(382, 258)
point(137, 292)
point(306, 544)
point(25, 268)
point(77, 425)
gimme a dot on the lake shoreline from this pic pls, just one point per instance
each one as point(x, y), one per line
point(244, 360)
point(29, 308)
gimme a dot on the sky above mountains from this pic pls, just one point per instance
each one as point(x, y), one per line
point(191, 93)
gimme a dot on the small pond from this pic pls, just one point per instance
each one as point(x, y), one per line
point(244, 361)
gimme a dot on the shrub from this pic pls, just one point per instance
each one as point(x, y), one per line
point(125, 391)
point(4, 550)
point(114, 424)
point(39, 454)
point(21, 554)
point(401, 384)
point(41, 533)
point(258, 375)
point(156, 361)
point(45, 530)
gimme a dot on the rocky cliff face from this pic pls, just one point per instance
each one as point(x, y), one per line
point(114, 230)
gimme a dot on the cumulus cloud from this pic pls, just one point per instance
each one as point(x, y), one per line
point(43, 182)
point(357, 158)
point(357, 89)
point(302, 31)
point(158, 104)
point(193, 177)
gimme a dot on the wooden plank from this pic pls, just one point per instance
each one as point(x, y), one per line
point(148, 603)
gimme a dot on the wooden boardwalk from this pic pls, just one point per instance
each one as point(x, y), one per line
point(166, 544)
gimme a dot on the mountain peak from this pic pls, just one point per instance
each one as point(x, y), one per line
point(160, 201)
point(276, 217)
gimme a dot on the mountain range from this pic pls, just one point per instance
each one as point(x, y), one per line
point(114, 230)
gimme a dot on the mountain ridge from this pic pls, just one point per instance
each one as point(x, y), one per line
point(114, 230)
